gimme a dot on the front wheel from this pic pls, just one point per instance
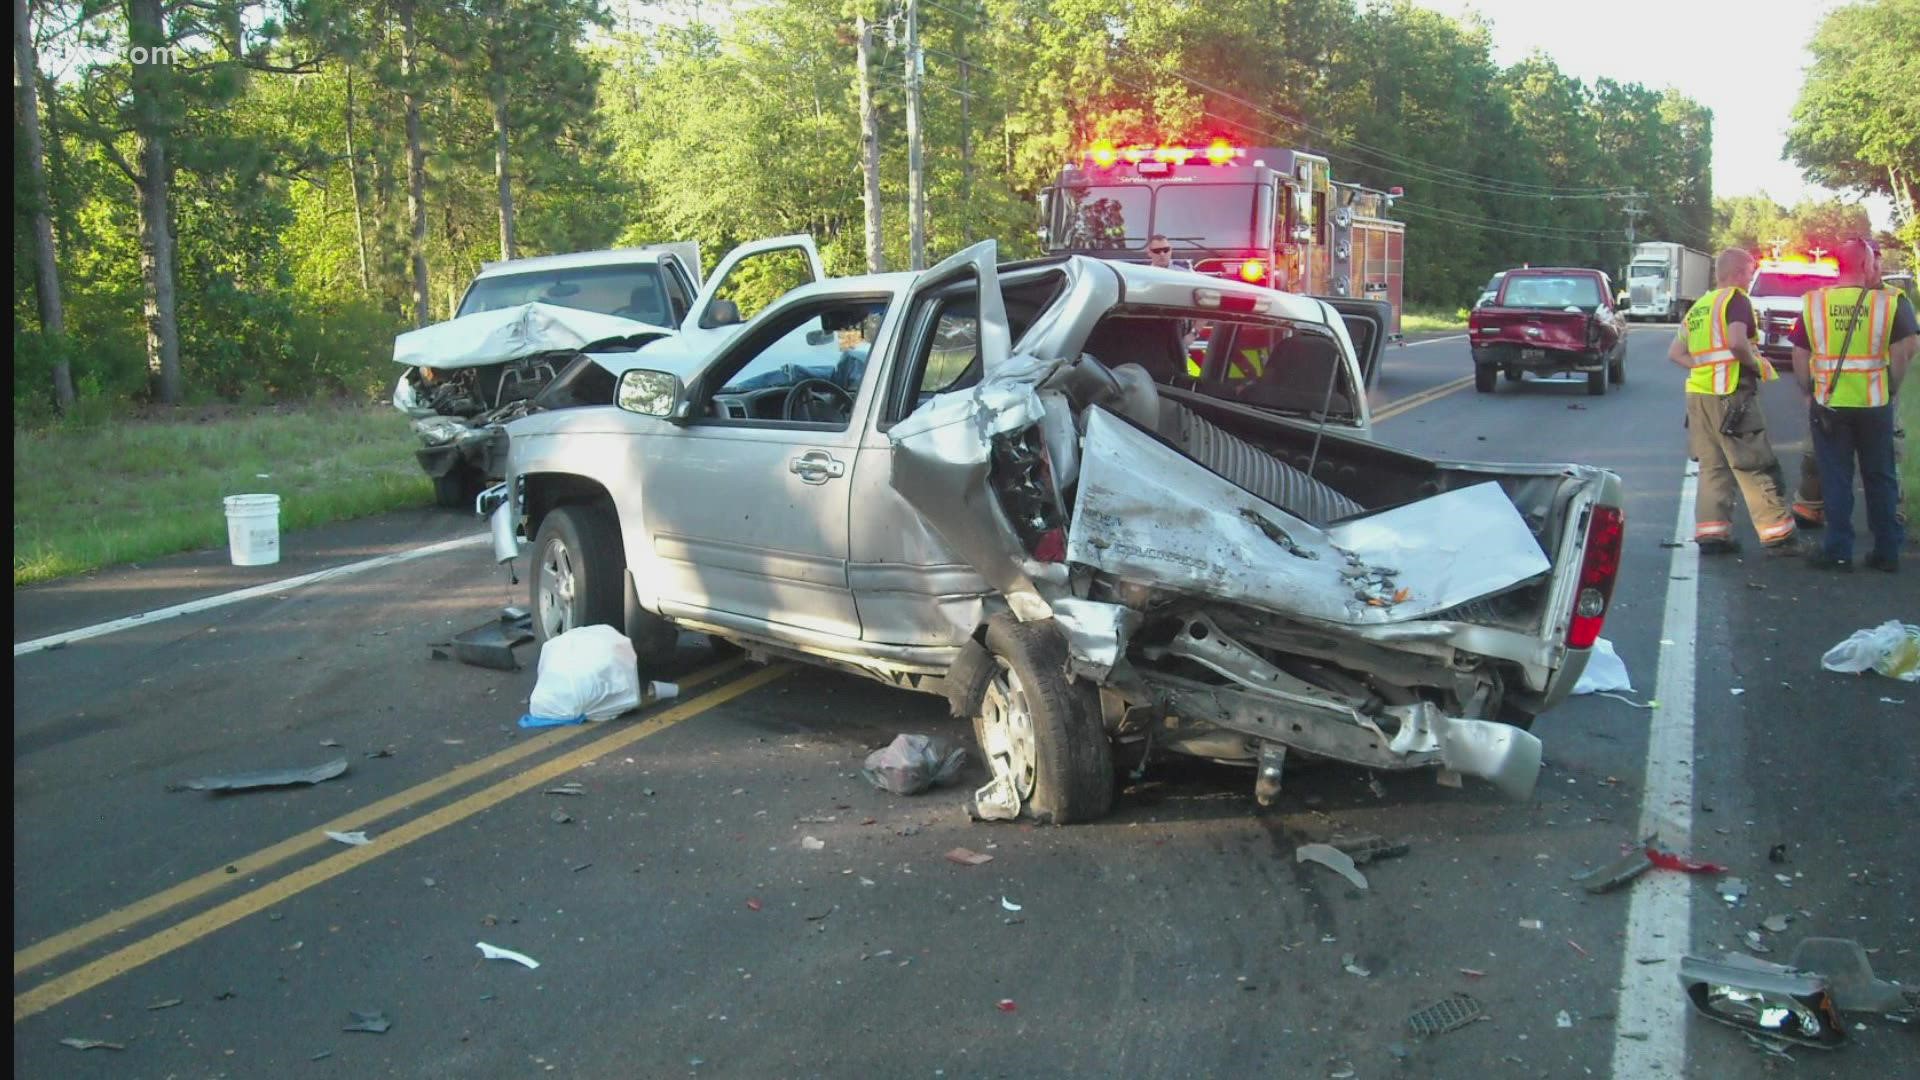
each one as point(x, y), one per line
point(576, 571)
point(1039, 730)
point(457, 488)
point(1483, 378)
point(1617, 371)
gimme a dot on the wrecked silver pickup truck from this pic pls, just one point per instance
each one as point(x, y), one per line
point(976, 481)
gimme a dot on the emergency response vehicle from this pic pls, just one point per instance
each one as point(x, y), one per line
point(1778, 284)
point(1262, 215)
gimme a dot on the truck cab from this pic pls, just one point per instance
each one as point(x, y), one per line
point(1261, 215)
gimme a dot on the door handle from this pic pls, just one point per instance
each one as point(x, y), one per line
point(817, 467)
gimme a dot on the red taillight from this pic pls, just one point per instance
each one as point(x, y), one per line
point(1605, 531)
point(1253, 270)
point(1051, 547)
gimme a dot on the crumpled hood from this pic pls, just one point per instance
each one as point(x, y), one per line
point(495, 337)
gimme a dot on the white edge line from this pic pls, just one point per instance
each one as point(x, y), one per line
point(1650, 1029)
point(1432, 341)
point(54, 641)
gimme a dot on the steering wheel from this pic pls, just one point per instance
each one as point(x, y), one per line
point(817, 401)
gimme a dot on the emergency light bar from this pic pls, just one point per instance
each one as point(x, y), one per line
point(1219, 152)
point(1801, 264)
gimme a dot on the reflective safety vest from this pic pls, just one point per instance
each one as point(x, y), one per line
point(1248, 365)
point(1716, 370)
point(1849, 370)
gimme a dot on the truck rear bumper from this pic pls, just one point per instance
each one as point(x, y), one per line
point(1537, 358)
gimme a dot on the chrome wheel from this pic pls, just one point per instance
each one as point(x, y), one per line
point(1006, 732)
point(556, 588)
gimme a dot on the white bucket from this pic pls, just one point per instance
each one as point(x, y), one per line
point(253, 529)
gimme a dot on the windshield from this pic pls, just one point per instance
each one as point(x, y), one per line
point(1555, 291)
point(632, 292)
point(1209, 215)
point(1768, 283)
point(1107, 217)
point(1642, 271)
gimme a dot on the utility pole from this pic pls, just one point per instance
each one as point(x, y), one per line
point(966, 140)
point(916, 164)
point(870, 150)
point(1634, 213)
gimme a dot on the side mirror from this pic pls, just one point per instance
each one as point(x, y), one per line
point(649, 393)
point(723, 313)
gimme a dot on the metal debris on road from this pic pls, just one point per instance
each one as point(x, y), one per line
point(560, 817)
point(1578, 949)
point(490, 645)
point(1762, 997)
point(1472, 973)
point(1612, 875)
point(966, 857)
point(1333, 859)
point(167, 1004)
point(1367, 847)
point(91, 1044)
point(1448, 1014)
point(265, 778)
point(494, 952)
point(383, 752)
point(1351, 965)
point(374, 1023)
point(573, 788)
point(351, 839)
point(911, 764)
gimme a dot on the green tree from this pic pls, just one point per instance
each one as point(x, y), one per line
point(1857, 121)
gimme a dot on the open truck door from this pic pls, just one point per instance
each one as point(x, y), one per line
point(1368, 324)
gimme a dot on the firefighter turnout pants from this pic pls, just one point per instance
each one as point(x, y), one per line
point(1737, 464)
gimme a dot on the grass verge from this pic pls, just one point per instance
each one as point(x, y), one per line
point(1416, 319)
point(90, 496)
point(1909, 417)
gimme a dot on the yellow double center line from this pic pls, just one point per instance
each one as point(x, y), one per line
point(1414, 401)
point(117, 963)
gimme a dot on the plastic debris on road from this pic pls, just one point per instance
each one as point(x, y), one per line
point(91, 1044)
point(911, 764)
point(490, 645)
point(1448, 1014)
point(266, 778)
point(1605, 671)
point(1667, 860)
point(495, 952)
point(374, 1023)
point(1562, 1019)
point(587, 673)
point(813, 843)
point(1892, 649)
point(351, 839)
point(1333, 859)
point(1008, 905)
point(1007, 1005)
point(1733, 890)
point(1612, 875)
point(968, 858)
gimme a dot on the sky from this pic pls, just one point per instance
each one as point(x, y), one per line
point(1668, 44)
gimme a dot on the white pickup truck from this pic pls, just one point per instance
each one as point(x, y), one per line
point(994, 483)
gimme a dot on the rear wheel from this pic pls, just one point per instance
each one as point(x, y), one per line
point(1039, 729)
point(576, 571)
point(1596, 383)
point(1483, 378)
point(1617, 371)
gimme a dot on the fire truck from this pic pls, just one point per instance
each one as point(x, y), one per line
point(1778, 285)
point(1264, 215)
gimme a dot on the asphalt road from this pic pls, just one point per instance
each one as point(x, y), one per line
point(683, 926)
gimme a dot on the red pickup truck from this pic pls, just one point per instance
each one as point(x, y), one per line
point(1549, 320)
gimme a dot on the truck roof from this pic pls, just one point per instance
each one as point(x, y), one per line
point(634, 256)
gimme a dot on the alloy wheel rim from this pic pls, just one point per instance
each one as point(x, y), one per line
point(1007, 732)
point(556, 588)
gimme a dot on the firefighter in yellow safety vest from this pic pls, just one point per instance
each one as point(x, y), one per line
point(1851, 348)
point(1726, 429)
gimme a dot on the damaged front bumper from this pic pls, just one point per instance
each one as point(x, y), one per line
point(449, 443)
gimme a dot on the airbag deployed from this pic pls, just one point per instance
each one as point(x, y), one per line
point(1144, 513)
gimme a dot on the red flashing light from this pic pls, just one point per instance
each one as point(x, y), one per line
point(1253, 270)
point(1605, 531)
point(1174, 155)
point(1137, 154)
point(1103, 154)
point(1220, 151)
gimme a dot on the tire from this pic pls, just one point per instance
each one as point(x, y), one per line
point(1596, 383)
point(1617, 371)
point(1039, 728)
point(1483, 378)
point(457, 489)
point(575, 576)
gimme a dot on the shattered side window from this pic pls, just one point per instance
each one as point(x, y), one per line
point(955, 348)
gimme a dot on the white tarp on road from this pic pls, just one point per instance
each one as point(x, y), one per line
point(494, 337)
point(1145, 513)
